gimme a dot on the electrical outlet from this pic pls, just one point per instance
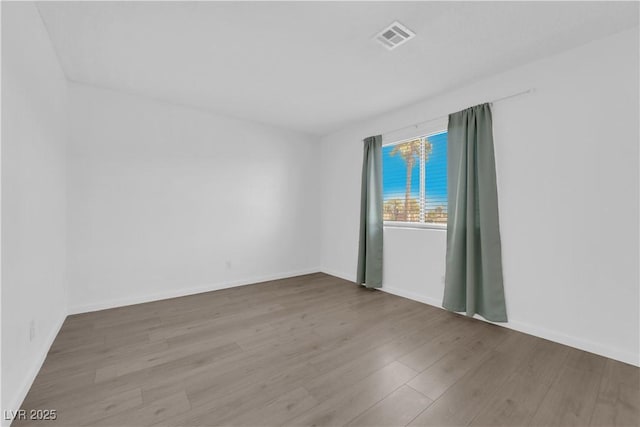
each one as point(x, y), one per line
point(32, 330)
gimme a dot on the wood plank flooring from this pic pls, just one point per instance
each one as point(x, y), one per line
point(318, 350)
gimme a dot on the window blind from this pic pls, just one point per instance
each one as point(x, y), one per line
point(415, 180)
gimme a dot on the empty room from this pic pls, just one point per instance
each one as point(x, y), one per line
point(320, 213)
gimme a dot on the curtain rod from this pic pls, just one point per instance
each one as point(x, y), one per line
point(417, 125)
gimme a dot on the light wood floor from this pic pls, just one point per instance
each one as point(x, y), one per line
point(317, 350)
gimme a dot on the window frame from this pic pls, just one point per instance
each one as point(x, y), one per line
point(435, 130)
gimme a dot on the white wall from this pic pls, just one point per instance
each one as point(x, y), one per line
point(34, 134)
point(162, 197)
point(567, 165)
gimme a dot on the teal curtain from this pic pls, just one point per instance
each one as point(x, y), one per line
point(473, 281)
point(370, 248)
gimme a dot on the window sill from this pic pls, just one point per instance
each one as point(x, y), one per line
point(415, 225)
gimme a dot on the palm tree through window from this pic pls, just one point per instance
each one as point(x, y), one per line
point(415, 180)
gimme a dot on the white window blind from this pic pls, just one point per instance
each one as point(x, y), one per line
point(415, 180)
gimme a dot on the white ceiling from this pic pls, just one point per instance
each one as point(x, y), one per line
point(311, 66)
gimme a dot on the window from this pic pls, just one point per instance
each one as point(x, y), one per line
point(415, 180)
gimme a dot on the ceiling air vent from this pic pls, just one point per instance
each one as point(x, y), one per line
point(394, 35)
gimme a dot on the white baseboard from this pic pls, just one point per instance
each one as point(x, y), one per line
point(33, 372)
point(139, 299)
point(579, 343)
point(412, 296)
point(571, 341)
point(346, 276)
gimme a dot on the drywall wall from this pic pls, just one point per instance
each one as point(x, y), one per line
point(34, 134)
point(166, 200)
point(567, 166)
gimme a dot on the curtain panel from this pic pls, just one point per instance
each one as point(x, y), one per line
point(370, 247)
point(473, 280)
